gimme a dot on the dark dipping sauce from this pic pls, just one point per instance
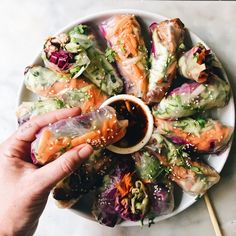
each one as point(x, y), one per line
point(138, 123)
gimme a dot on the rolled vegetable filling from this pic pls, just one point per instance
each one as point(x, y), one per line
point(167, 40)
point(192, 64)
point(203, 135)
point(160, 189)
point(99, 128)
point(193, 177)
point(123, 34)
point(191, 98)
point(84, 95)
point(45, 82)
point(100, 71)
point(148, 167)
point(161, 197)
point(86, 178)
point(62, 55)
point(29, 109)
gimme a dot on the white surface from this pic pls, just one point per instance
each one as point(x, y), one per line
point(24, 26)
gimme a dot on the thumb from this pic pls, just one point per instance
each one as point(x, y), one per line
point(49, 175)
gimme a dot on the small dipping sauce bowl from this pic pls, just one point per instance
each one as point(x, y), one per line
point(140, 126)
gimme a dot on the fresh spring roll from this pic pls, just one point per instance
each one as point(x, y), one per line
point(30, 109)
point(47, 83)
point(86, 178)
point(193, 177)
point(193, 64)
point(75, 53)
point(104, 203)
point(88, 98)
point(85, 95)
point(132, 200)
point(191, 98)
point(167, 40)
point(160, 189)
point(147, 166)
point(62, 55)
point(123, 34)
point(99, 128)
point(161, 197)
point(204, 135)
point(122, 196)
point(100, 71)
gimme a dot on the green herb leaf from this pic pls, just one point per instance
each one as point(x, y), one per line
point(196, 169)
point(148, 63)
point(60, 103)
point(198, 197)
point(64, 149)
point(35, 73)
point(201, 122)
point(182, 46)
point(82, 29)
point(110, 55)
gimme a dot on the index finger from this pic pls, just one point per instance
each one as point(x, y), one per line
point(27, 131)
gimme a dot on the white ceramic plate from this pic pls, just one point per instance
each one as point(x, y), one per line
point(226, 114)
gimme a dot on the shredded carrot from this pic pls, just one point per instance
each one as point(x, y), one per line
point(124, 185)
point(133, 41)
point(84, 138)
point(45, 137)
point(73, 83)
point(125, 38)
point(179, 172)
point(129, 47)
point(163, 160)
point(203, 77)
point(57, 87)
point(104, 128)
point(96, 98)
point(52, 150)
point(127, 104)
point(122, 21)
point(202, 142)
point(65, 141)
point(201, 56)
point(137, 71)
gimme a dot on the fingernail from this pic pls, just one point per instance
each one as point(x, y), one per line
point(85, 151)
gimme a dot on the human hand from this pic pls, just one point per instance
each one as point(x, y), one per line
point(24, 187)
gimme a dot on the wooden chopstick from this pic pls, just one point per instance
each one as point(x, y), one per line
point(212, 215)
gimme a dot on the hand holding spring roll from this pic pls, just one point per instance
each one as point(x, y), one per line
point(99, 128)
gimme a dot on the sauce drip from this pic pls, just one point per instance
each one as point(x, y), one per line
point(137, 118)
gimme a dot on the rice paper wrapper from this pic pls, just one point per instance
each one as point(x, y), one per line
point(167, 42)
point(193, 63)
point(123, 34)
point(194, 177)
point(161, 198)
point(200, 134)
point(191, 98)
point(99, 128)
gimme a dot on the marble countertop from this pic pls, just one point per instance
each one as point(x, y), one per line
point(24, 26)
